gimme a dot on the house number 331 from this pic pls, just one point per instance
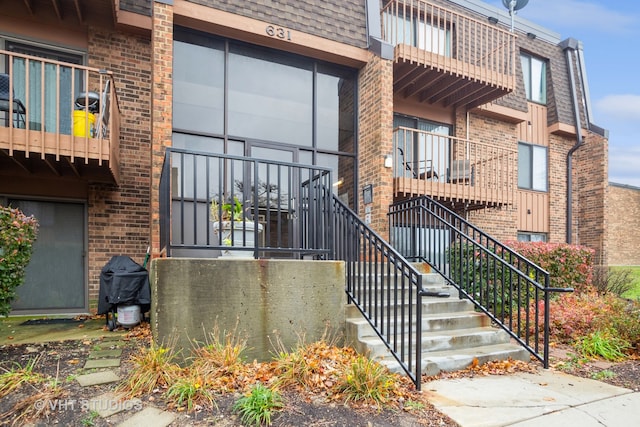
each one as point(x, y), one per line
point(278, 32)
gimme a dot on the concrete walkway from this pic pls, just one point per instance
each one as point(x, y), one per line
point(549, 398)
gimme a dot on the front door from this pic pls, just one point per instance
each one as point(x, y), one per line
point(55, 276)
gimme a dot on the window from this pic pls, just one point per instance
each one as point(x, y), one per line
point(532, 167)
point(425, 149)
point(430, 36)
point(532, 237)
point(534, 71)
point(42, 86)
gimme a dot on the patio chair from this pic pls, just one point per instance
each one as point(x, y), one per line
point(17, 110)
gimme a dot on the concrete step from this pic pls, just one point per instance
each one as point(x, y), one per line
point(358, 328)
point(453, 360)
point(433, 342)
point(430, 305)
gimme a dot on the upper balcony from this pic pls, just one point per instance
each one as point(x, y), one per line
point(445, 58)
point(58, 119)
point(466, 173)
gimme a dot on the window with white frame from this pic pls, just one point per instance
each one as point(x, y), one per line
point(532, 237)
point(532, 167)
point(534, 71)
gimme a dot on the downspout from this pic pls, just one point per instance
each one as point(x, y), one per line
point(570, 45)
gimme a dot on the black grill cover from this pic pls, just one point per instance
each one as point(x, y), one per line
point(123, 281)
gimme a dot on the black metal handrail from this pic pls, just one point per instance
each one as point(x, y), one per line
point(501, 283)
point(216, 204)
point(384, 286)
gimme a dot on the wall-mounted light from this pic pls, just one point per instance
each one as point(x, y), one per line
point(339, 182)
point(388, 161)
point(532, 36)
point(493, 20)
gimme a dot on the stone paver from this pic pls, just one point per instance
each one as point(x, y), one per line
point(149, 417)
point(108, 404)
point(101, 363)
point(105, 354)
point(102, 377)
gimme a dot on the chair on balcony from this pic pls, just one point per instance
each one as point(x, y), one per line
point(427, 173)
point(17, 110)
point(460, 172)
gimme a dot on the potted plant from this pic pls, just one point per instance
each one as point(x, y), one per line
point(232, 228)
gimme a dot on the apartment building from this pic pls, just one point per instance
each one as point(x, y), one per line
point(398, 99)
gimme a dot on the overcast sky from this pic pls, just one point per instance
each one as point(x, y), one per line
point(610, 32)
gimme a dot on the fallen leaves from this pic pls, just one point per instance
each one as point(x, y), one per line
point(498, 367)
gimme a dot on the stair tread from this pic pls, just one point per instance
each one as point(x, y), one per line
point(445, 334)
point(427, 316)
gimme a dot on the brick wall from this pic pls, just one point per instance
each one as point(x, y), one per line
point(342, 21)
point(119, 216)
point(591, 166)
point(623, 219)
point(161, 107)
point(375, 138)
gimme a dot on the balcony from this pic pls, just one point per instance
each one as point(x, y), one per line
point(456, 170)
point(58, 120)
point(445, 58)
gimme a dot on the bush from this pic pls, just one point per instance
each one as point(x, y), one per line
point(606, 344)
point(569, 266)
point(608, 280)
point(17, 234)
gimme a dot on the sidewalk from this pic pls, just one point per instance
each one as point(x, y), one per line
point(549, 398)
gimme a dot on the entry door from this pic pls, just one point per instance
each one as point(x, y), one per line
point(55, 276)
point(281, 224)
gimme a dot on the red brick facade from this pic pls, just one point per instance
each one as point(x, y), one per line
point(118, 217)
point(376, 139)
point(161, 106)
point(125, 219)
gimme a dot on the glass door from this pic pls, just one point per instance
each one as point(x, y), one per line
point(48, 108)
point(55, 276)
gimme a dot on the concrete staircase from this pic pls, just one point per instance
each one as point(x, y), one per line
point(453, 334)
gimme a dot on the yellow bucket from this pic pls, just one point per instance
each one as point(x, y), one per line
point(83, 123)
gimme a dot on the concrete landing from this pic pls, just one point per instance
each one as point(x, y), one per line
point(549, 398)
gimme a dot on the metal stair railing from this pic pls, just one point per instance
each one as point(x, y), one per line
point(512, 290)
point(384, 286)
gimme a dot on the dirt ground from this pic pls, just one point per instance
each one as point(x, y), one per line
point(63, 360)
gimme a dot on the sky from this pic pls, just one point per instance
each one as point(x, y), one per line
point(610, 33)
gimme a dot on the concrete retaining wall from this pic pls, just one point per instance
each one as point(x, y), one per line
point(265, 298)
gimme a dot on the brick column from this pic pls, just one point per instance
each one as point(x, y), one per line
point(375, 140)
point(161, 105)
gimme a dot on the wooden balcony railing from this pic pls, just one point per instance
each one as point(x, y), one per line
point(453, 169)
point(65, 115)
point(443, 56)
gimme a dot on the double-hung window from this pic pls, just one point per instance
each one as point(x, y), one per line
point(534, 71)
point(532, 167)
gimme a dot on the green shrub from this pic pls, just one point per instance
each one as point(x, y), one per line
point(605, 343)
point(257, 407)
point(366, 379)
point(17, 234)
